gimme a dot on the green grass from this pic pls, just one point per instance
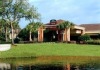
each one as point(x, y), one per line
point(51, 49)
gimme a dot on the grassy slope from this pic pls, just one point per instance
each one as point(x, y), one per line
point(51, 49)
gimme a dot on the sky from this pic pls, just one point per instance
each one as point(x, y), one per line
point(76, 11)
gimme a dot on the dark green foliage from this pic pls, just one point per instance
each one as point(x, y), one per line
point(33, 28)
point(23, 34)
point(84, 37)
point(2, 37)
point(94, 42)
point(16, 40)
point(14, 10)
point(99, 36)
point(0, 7)
point(3, 40)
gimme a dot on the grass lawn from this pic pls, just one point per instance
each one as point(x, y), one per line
point(51, 49)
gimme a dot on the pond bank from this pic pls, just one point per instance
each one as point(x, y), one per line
point(52, 59)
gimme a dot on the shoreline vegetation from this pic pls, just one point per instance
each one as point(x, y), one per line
point(36, 50)
point(53, 60)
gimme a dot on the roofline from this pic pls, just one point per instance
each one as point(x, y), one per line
point(79, 27)
point(96, 31)
point(50, 25)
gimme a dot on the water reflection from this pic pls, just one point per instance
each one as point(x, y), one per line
point(56, 67)
point(5, 66)
point(40, 67)
point(51, 63)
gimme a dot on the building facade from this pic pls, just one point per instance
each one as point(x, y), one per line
point(92, 29)
point(51, 33)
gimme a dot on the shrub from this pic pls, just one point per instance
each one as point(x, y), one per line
point(84, 37)
point(16, 40)
point(2, 37)
point(94, 42)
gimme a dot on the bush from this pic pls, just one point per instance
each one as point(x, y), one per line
point(2, 37)
point(94, 42)
point(16, 40)
point(84, 38)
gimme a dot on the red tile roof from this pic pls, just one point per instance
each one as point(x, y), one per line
point(91, 27)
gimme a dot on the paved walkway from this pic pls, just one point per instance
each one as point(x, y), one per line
point(4, 47)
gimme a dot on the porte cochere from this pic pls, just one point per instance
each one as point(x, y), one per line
point(51, 33)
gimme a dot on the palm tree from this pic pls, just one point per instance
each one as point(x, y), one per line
point(31, 15)
point(32, 27)
point(66, 25)
point(29, 27)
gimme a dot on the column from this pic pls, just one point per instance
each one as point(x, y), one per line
point(66, 34)
point(59, 36)
point(40, 34)
point(82, 31)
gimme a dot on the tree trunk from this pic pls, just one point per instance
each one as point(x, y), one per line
point(12, 33)
point(6, 34)
point(30, 39)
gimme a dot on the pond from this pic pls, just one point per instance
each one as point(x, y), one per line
point(51, 63)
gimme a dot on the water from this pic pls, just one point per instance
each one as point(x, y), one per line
point(51, 63)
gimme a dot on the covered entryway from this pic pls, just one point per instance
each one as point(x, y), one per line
point(50, 36)
point(76, 32)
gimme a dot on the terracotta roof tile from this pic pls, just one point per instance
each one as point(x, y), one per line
point(91, 27)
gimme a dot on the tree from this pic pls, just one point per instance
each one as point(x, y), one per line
point(14, 13)
point(3, 22)
point(32, 27)
point(65, 24)
point(23, 34)
point(1, 8)
point(5, 28)
point(31, 15)
point(14, 10)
